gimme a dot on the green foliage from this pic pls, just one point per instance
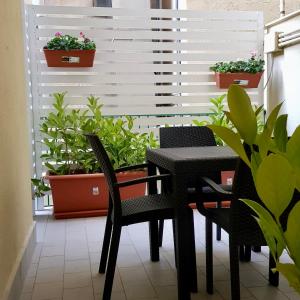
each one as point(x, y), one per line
point(275, 166)
point(220, 117)
point(67, 42)
point(68, 151)
point(216, 117)
point(252, 65)
point(39, 187)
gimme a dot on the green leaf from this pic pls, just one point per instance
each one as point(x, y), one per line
point(259, 110)
point(275, 183)
point(242, 114)
point(293, 154)
point(280, 133)
point(292, 233)
point(291, 273)
point(269, 127)
point(271, 230)
point(232, 139)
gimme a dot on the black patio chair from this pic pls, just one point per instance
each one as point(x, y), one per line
point(239, 223)
point(193, 136)
point(150, 208)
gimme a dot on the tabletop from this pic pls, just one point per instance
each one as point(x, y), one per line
point(193, 159)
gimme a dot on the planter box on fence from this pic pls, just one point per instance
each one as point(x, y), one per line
point(246, 80)
point(70, 59)
point(86, 195)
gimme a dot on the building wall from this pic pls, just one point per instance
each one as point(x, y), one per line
point(269, 7)
point(15, 191)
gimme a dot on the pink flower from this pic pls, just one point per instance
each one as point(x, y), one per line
point(253, 53)
point(81, 34)
point(58, 34)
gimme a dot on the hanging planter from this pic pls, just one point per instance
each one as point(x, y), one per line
point(70, 59)
point(246, 73)
point(69, 52)
point(246, 80)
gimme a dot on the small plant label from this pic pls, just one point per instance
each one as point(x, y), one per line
point(95, 191)
point(241, 82)
point(71, 59)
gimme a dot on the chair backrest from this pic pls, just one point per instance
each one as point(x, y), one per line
point(109, 173)
point(244, 227)
point(188, 136)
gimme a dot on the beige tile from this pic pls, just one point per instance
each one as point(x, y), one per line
point(133, 275)
point(99, 279)
point(140, 291)
point(43, 291)
point(26, 296)
point(75, 266)
point(166, 292)
point(32, 270)
point(252, 279)
point(85, 293)
point(224, 289)
point(77, 253)
point(51, 262)
point(163, 278)
point(53, 250)
point(293, 296)
point(49, 275)
point(28, 285)
point(76, 280)
point(267, 292)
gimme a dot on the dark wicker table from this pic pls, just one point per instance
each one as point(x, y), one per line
point(184, 164)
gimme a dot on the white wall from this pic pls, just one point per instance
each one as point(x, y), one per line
point(284, 84)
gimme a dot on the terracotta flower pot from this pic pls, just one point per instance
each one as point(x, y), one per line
point(86, 195)
point(69, 59)
point(246, 80)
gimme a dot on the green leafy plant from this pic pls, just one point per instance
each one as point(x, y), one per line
point(275, 166)
point(252, 65)
point(68, 151)
point(40, 188)
point(67, 42)
point(218, 117)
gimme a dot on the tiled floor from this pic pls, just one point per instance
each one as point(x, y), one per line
point(67, 258)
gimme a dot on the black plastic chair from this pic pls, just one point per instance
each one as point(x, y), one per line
point(149, 208)
point(193, 136)
point(239, 223)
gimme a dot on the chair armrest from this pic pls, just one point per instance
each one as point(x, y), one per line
point(123, 169)
point(142, 179)
point(216, 187)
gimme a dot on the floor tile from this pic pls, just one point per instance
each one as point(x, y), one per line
point(85, 293)
point(43, 291)
point(77, 280)
point(51, 262)
point(267, 292)
point(75, 266)
point(49, 275)
point(52, 251)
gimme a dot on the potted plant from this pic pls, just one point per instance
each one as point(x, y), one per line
point(246, 73)
point(39, 191)
point(275, 166)
point(78, 186)
point(68, 51)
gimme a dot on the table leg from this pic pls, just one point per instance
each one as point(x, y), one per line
point(182, 239)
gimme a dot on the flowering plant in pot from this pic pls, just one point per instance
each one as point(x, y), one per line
point(275, 167)
point(246, 73)
point(69, 51)
point(72, 163)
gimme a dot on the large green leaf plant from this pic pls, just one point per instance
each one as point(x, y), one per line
point(67, 151)
point(275, 166)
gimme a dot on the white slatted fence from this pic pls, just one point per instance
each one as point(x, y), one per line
point(145, 59)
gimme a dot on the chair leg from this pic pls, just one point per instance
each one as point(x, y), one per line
point(209, 256)
point(153, 238)
point(174, 239)
point(192, 259)
point(256, 248)
point(234, 270)
point(105, 245)
point(273, 277)
point(112, 260)
point(160, 232)
point(242, 252)
point(218, 228)
point(247, 253)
